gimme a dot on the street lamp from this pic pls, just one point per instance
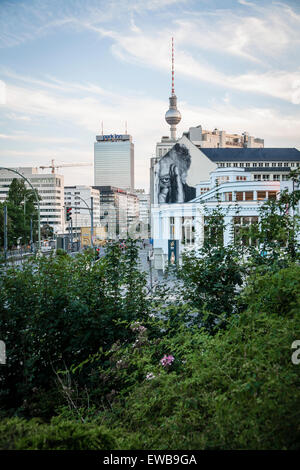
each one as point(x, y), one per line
point(37, 200)
point(91, 211)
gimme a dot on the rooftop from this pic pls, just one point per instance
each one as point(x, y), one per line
point(251, 154)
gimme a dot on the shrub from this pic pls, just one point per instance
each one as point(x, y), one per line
point(236, 390)
point(18, 434)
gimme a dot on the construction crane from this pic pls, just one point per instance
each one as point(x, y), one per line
point(54, 166)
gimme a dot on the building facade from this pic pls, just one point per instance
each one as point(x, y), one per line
point(74, 197)
point(119, 210)
point(50, 188)
point(114, 161)
point(144, 205)
point(239, 184)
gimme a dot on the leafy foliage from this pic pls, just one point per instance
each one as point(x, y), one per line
point(56, 312)
point(16, 434)
point(237, 389)
point(211, 276)
point(21, 208)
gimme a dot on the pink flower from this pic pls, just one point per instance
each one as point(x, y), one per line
point(150, 376)
point(167, 360)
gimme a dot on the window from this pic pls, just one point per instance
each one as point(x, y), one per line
point(228, 197)
point(241, 165)
point(257, 177)
point(228, 164)
point(187, 230)
point(241, 226)
point(261, 195)
point(272, 195)
point(267, 164)
point(274, 164)
point(260, 164)
point(254, 164)
point(266, 177)
point(247, 165)
point(235, 165)
point(172, 228)
point(213, 232)
point(276, 177)
point(249, 196)
point(286, 164)
point(239, 196)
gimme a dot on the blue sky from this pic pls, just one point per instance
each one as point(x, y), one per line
point(67, 66)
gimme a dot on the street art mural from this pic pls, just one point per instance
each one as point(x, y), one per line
point(170, 176)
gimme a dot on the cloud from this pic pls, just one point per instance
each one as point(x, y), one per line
point(86, 110)
point(2, 92)
point(245, 3)
point(154, 51)
point(23, 22)
point(23, 137)
point(17, 117)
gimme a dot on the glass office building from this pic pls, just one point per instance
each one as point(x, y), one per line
point(114, 161)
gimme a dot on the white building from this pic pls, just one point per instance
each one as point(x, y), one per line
point(50, 187)
point(238, 183)
point(144, 206)
point(79, 198)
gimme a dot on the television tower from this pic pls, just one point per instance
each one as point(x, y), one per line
point(173, 116)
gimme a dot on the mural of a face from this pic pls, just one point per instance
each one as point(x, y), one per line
point(171, 176)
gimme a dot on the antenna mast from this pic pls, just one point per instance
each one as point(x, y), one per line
point(173, 116)
point(173, 92)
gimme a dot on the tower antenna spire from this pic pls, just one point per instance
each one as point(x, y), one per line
point(173, 116)
point(173, 92)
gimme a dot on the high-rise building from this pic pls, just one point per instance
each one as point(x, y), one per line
point(114, 161)
point(50, 188)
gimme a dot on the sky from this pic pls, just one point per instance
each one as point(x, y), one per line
point(67, 66)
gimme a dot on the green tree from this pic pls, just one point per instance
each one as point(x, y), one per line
point(56, 312)
point(277, 231)
point(21, 208)
point(46, 231)
point(211, 275)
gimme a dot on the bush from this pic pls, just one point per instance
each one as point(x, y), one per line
point(18, 434)
point(236, 390)
point(58, 311)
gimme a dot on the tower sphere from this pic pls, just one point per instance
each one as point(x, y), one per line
point(173, 116)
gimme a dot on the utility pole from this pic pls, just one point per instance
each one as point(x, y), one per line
point(5, 232)
point(31, 235)
point(92, 221)
point(71, 222)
